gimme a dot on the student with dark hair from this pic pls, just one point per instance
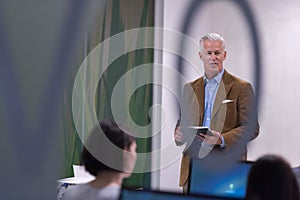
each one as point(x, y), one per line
point(271, 178)
point(109, 154)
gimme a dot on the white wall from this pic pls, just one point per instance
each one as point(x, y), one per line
point(279, 30)
point(279, 109)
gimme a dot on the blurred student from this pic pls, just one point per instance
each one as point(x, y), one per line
point(109, 164)
point(271, 177)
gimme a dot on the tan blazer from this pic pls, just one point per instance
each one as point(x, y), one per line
point(229, 115)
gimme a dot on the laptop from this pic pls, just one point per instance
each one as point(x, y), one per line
point(296, 171)
point(228, 182)
point(127, 194)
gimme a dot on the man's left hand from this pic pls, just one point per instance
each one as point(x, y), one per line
point(212, 137)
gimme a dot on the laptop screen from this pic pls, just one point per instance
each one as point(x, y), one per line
point(223, 182)
point(150, 195)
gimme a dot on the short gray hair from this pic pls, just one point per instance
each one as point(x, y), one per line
point(211, 37)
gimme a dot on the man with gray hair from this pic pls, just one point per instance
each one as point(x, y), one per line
point(223, 103)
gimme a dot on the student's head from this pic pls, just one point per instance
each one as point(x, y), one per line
point(271, 177)
point(121, 157)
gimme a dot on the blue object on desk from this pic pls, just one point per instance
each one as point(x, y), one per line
point(230, 181)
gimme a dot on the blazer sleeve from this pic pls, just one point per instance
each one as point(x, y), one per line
point(244, 107)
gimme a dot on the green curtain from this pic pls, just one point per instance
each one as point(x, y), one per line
point(119, 16)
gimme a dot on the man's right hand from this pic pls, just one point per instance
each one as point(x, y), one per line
point(178, 136)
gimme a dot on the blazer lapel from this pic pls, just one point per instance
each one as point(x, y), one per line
point(199, 91)
point(224, 88)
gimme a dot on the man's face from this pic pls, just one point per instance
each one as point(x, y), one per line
point(212, 56)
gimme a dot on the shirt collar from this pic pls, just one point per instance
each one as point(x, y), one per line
point(217, 78)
